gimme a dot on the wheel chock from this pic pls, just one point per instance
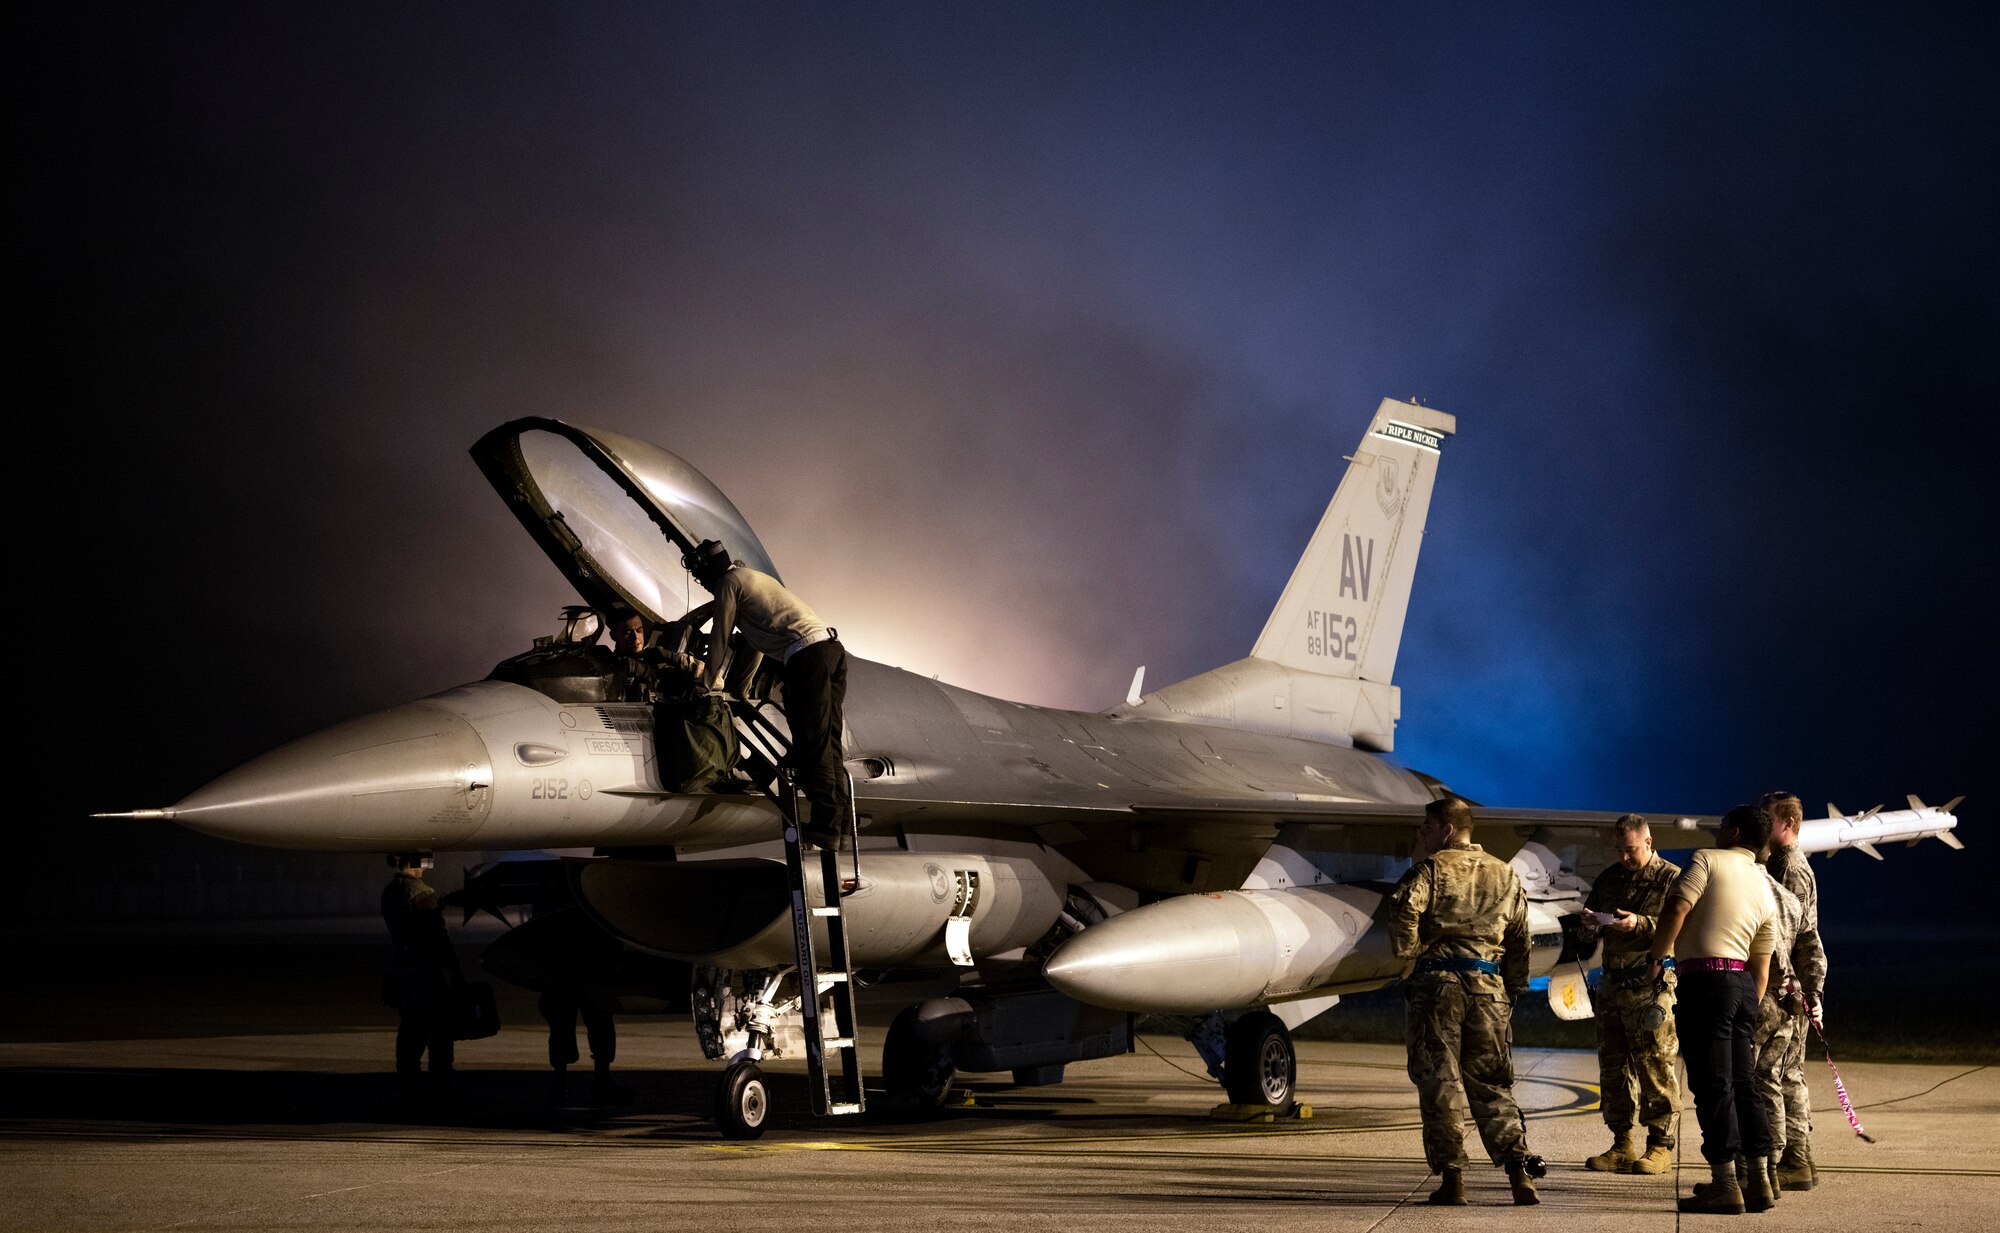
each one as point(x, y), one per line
point(1259, 1113)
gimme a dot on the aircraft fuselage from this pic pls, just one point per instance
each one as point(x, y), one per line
point(495, 766)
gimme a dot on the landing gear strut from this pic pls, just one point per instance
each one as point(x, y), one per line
point(742, 1014)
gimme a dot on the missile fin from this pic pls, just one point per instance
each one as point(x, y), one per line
point(1869, 848)
point(1833, 811)
point(1952, 804)
point(1916, 802)
point(1950, 840)
point(1869, 814)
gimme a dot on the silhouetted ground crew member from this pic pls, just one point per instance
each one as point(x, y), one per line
point(1721, 922)
point(1463, 917)
point(1791, 1135)
point(777, 623)
point(1636, 1047)
point(559, 1008)
point(421, 965)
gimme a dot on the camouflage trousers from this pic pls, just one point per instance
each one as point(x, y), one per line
point(1462, 1052)
point(1781, 1073)
point(1636, 1068)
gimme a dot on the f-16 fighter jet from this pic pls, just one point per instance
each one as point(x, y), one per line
point(1222, 844)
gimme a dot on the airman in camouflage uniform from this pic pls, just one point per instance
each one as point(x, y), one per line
point(1633, 1057)
point(1463, 917)
point(1791, 1125)
point(1774, 1022)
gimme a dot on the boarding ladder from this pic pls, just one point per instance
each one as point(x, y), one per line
point(836, 1089)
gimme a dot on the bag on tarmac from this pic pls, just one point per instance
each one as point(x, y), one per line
point(696, 741)
point(469, 1010)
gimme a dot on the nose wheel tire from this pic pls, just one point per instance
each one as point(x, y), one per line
point(1260, 1066)
point(742, 1102)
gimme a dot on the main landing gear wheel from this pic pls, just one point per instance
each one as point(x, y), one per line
point(1259, 1065)
point(742, 1102)
point(916, 1073)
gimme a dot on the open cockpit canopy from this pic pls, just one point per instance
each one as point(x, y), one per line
point(613, 512)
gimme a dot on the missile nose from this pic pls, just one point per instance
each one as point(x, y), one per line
point(413, 777)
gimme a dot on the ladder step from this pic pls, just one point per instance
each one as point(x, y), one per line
point(843, 1108)
point(829, 979)
point(826, 911)
point(839, 1042)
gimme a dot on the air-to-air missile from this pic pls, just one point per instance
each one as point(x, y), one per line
point(1865, 830)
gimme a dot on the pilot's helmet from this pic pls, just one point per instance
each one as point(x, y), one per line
point(708, 560)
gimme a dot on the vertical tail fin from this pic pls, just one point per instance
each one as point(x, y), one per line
point(1321, 668)
point(1342, 612)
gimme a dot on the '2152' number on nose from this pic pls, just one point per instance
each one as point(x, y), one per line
point(548, 789)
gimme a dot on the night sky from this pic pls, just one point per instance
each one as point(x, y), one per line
point(1030, 338)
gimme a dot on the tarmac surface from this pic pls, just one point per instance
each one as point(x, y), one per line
point(275, 1111)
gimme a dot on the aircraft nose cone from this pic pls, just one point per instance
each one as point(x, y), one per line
point(413, 777)
point(1188, 955)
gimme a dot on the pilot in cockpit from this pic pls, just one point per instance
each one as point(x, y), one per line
point(652, 670)
point(693, 734)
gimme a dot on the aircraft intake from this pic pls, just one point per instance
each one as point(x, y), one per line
point(1195, 953)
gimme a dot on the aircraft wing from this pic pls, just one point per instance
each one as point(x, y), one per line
point(1383, 814)
point(1205, 844)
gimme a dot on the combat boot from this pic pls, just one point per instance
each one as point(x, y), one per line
point(1658, 1159)
point(1451, 1189)
point(1720, 1196)
point(1741, 1168)
point(1617, 1158)
point(1524, 1186)
point(1757, 1196)
point(1795, 1168)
